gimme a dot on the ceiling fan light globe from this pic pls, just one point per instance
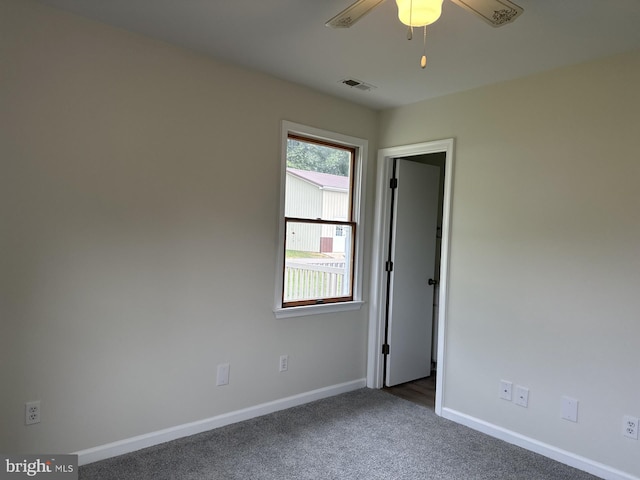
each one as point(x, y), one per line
point(419, 13)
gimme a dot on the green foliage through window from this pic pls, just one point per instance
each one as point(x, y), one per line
point(317, 158)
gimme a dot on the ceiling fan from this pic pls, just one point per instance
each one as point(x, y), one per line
point(495, 12)
point(420, 13)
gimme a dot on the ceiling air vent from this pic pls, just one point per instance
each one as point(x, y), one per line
point(353, 83)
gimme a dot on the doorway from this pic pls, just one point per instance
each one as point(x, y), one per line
point(383, 221)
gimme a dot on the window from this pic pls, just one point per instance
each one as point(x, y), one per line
point(320, 241)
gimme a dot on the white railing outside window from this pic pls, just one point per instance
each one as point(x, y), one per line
point(305, 279)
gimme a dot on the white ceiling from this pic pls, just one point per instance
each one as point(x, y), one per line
point(288, 39)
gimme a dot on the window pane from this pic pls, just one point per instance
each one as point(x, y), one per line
point(318, 181)
point(317, 261)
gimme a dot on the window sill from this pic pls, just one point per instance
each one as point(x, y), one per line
point(317, 309)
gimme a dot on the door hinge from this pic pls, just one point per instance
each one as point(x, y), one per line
point(385, 349)
point(388, 266)
point(393, 183)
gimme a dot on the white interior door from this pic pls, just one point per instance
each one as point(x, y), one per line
point(413, 247)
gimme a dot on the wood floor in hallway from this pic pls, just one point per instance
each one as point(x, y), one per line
point(421, 391)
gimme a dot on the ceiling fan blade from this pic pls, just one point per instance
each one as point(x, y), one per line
point(353, 13)
point(495, 12)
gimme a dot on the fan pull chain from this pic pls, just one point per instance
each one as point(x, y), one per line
point(423, 60)
point(410, 31)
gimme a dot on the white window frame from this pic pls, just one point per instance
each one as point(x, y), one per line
point(360, 164)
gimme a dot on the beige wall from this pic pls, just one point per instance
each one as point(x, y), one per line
point(545, 255)
point(139, 192)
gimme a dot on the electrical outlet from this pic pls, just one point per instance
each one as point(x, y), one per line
point(505, 389)
point(284, 363)
point(522, 396)
point(223, 374)
point(630, 427)
point(32, 412)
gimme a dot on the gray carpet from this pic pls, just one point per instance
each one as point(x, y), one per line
point(365, 434)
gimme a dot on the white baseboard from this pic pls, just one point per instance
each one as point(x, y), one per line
point(132, 444)
point(562, 456)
